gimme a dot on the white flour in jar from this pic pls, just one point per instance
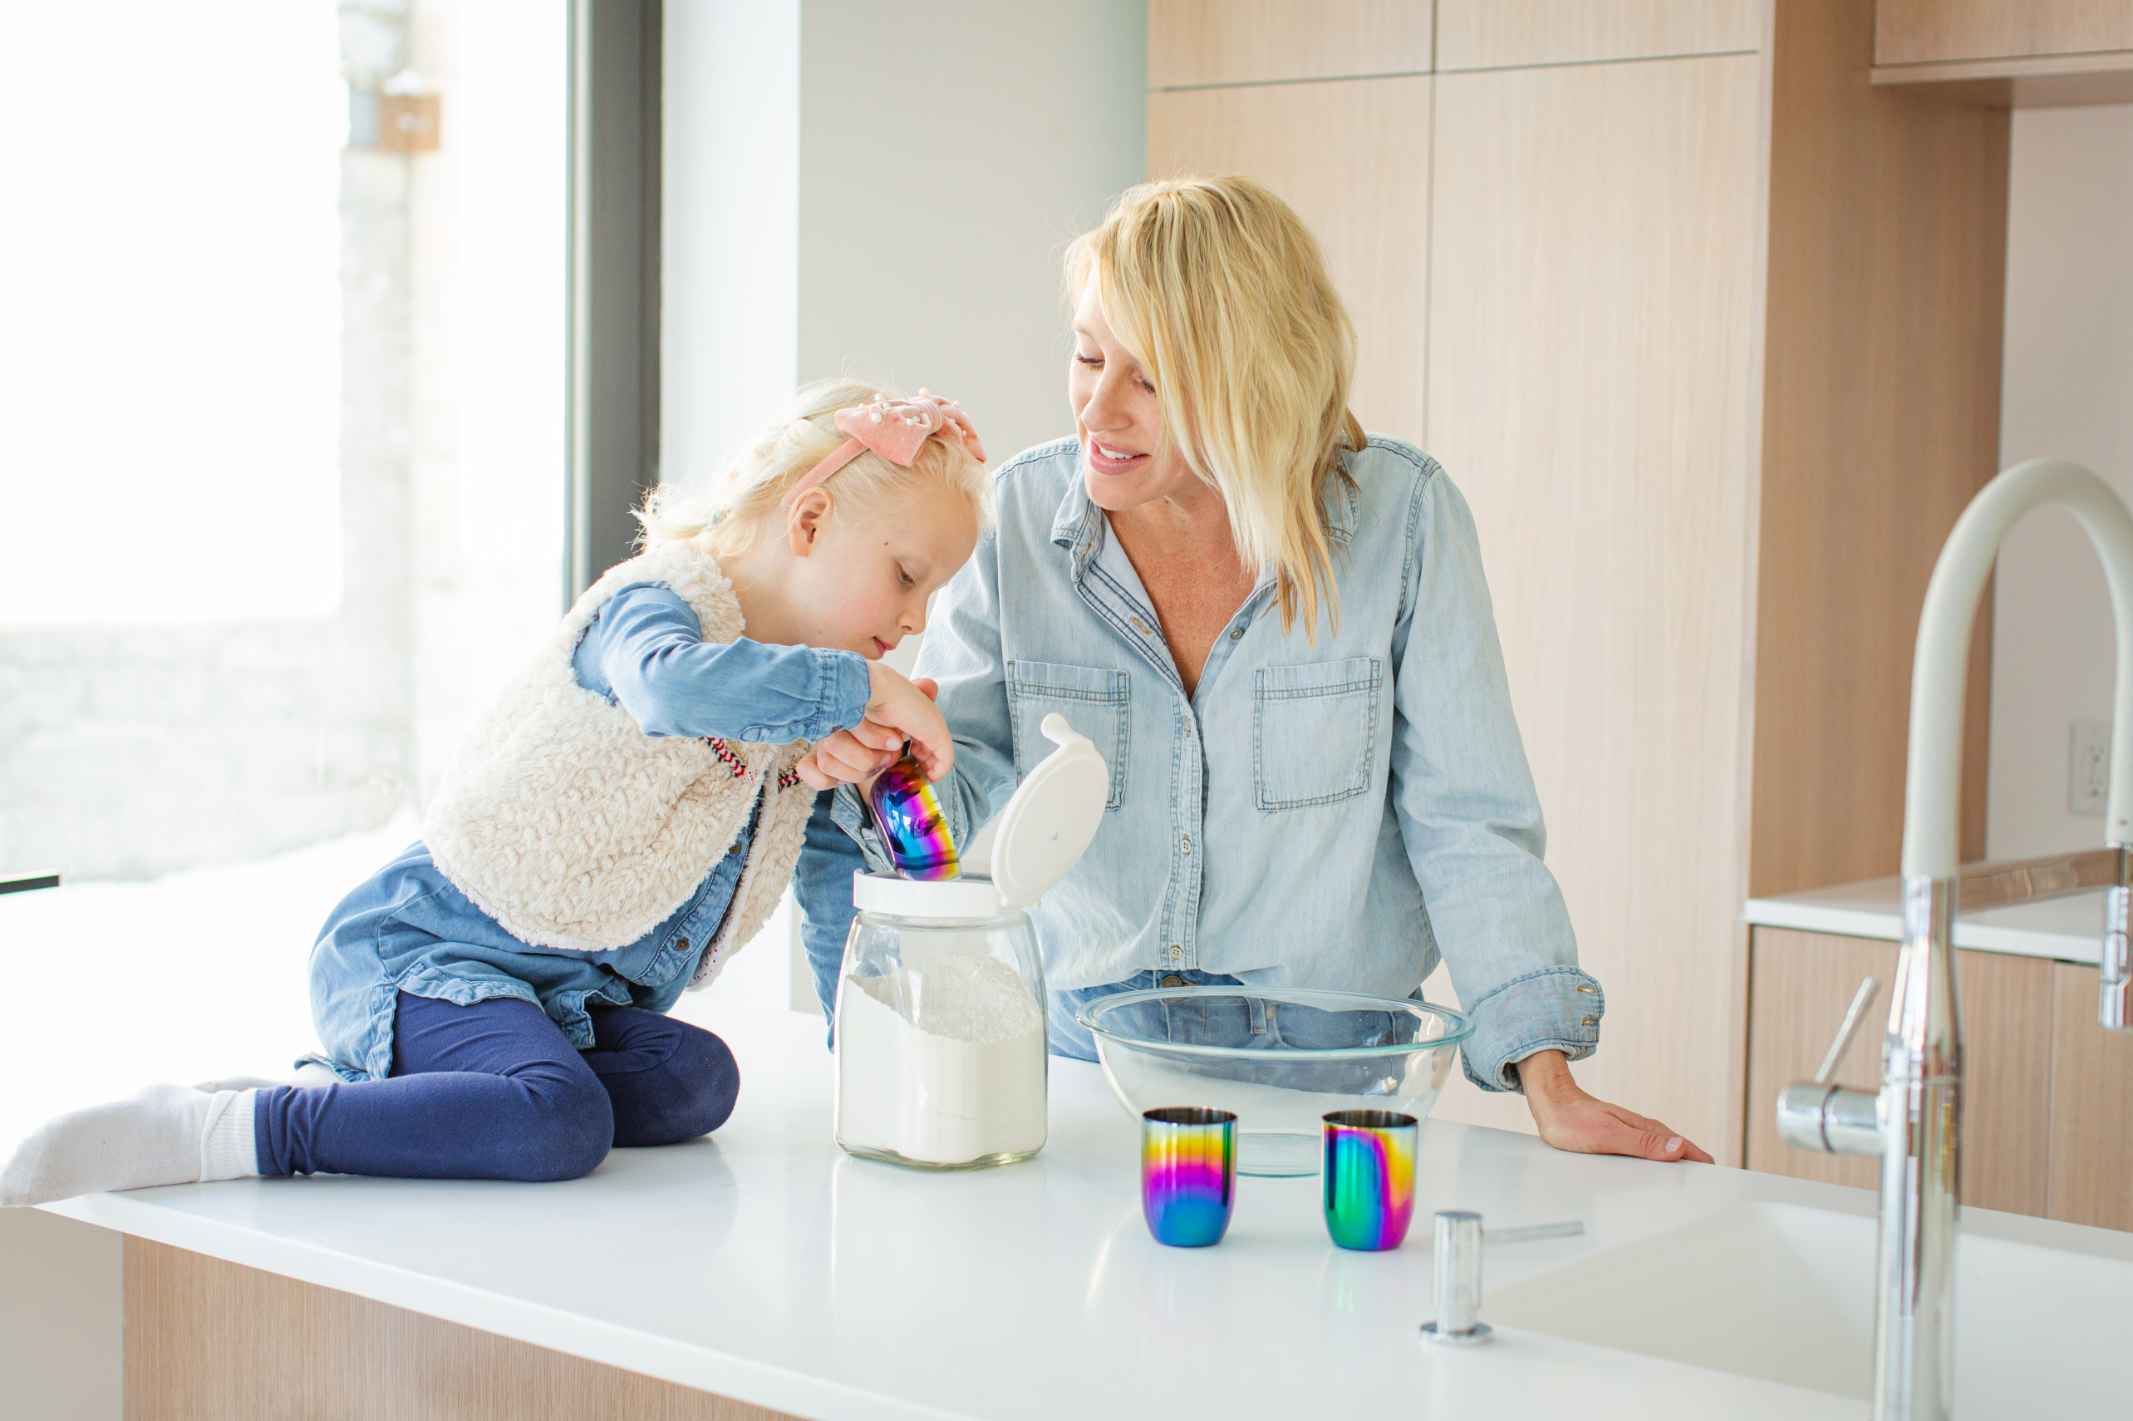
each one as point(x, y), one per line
point(967, 1084)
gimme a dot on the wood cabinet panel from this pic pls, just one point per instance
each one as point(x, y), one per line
point(2007, 1080)
point(1503, 34)
point(1937, 31)
point(205, 1338)
point(1798, 987)
point(1353, 160)
point(1800, 984)
point(2092, 1107)
point(1253, 41)
point(1880, 422)
point(1592, 307)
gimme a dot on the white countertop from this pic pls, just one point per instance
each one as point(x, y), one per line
point(765, 1265)
point(2067, 929)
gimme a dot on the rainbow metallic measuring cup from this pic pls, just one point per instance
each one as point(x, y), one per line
point(1370, 1177)
point(1188, 1174)
point(912, 822)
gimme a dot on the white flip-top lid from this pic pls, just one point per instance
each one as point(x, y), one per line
point(1028, 846)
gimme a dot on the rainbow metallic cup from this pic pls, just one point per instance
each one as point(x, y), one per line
point(1188, 1174)
point(1370, 1177)
point(913, 825)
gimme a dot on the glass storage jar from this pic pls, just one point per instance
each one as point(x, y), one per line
point(941, 1005)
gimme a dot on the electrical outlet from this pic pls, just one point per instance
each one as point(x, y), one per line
point(2088, 766)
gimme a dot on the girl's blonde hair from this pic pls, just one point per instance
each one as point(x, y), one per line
point(728, 512)
point(1218, 289)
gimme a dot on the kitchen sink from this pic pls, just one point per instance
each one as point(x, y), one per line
point(1785, 1292)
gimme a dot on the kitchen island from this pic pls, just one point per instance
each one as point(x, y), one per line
point(765, 1267)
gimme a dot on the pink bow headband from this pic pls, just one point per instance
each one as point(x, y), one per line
point(894, 429)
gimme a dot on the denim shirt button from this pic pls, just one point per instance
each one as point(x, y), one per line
point(1236, 633)
point(1177, 953)
point(681, 945)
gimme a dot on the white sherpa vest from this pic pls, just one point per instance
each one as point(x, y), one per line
point(570, 826)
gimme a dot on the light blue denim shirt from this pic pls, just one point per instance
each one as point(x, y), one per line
point(408, 929)
point(1341, 812)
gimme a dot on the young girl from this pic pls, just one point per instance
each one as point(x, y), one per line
point(623, 820)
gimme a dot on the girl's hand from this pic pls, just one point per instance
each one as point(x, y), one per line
point(1569, 1119)
point(906, 710)
point(857, 755)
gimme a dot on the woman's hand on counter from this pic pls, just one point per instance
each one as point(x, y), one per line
point(1570, 1119)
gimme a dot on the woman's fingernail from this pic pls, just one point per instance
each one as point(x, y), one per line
point(1673, 1143)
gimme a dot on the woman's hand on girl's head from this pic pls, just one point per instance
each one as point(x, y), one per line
point(1570, 1119)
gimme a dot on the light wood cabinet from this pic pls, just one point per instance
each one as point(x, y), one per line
point(1940, 31)
point(2007, 53)
point(1360, 147)
point(2091, 1170)
point(1711, 343)
point(1194, 42)
point(2047, 1094)
point(208, 1338)
point(1591, 392)
point(1507, 34)
point(1799, 986)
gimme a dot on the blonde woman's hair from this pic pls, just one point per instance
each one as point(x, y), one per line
point(1219, 291)
point(728, 512)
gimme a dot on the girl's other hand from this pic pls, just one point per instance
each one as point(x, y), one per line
point(907, 709)
point(856, 756)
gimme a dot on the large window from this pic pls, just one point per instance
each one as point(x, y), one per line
point(282, 482)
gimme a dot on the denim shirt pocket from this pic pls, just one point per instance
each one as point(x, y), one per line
point(1314, 725)
point(1092, 698)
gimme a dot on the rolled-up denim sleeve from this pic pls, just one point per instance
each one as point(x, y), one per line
point(1469, 816)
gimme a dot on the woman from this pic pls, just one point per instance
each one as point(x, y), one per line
point(1277, 631)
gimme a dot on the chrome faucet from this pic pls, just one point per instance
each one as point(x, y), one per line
point(1914, 1122)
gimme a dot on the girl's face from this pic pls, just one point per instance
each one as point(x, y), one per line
point(861, 578)
point(1118, 419)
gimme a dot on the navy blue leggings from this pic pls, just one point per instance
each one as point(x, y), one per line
point(496, 1091)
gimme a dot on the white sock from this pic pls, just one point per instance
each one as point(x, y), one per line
point(239, 1083)
point(227, 1149)
point(168, 1134)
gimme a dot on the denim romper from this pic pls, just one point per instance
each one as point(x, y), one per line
point(409, 930)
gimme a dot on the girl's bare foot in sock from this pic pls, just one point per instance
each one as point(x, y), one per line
point(168, 1134)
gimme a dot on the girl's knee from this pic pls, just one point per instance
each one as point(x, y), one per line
point(570, 1130)
point(714, 1078)
point(709, 1079)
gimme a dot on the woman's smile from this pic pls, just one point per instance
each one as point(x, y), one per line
point(1105, 459)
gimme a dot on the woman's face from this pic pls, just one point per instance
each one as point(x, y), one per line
point(1118, 419)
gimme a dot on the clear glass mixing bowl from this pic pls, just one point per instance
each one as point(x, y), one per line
point(1280, 1058)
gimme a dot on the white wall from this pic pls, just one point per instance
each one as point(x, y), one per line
point(2068, 391)
point(730, 182)
point(949, 151)
point(884, 191)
